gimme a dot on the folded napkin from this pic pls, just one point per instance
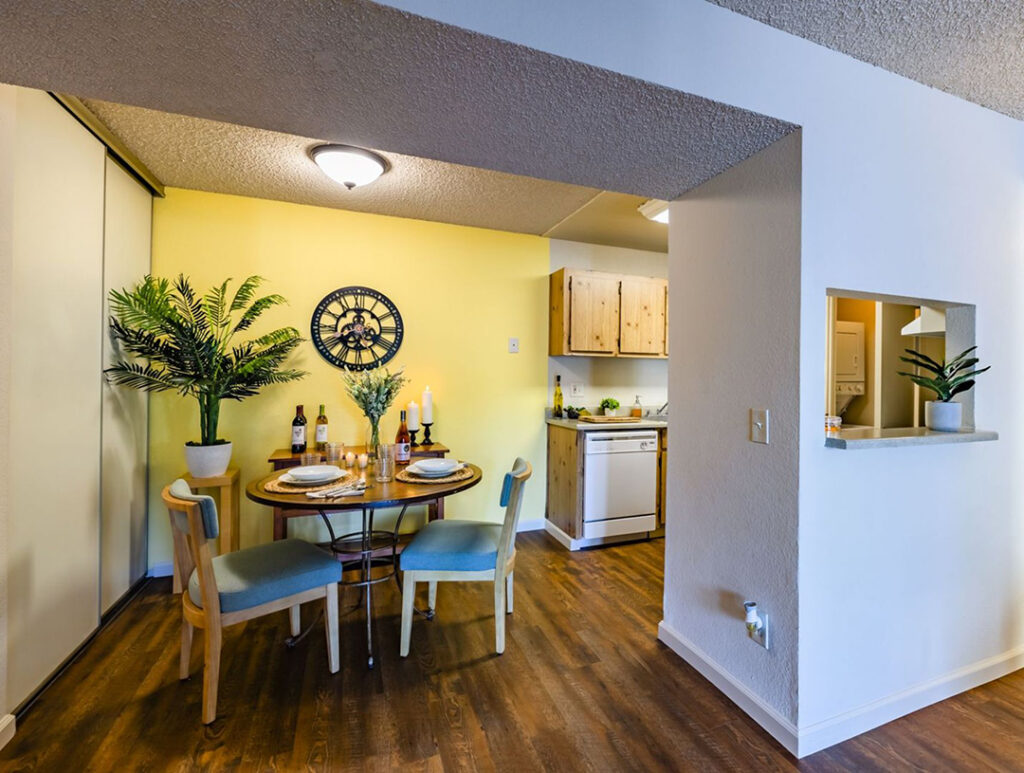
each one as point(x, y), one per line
point(349, 489)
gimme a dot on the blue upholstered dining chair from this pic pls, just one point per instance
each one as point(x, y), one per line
point(239, 586)
point(467, 551)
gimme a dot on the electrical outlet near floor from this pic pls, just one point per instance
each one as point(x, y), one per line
point(575, 390)
point(760, 636)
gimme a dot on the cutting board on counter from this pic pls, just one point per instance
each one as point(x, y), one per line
point(611, 419)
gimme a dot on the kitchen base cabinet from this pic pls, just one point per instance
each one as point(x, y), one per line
point(565, 481)
point(567, 486)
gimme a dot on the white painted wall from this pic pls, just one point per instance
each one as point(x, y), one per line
point(56, 318)
point(906, 191)
point(622, 378)
point(126, 248)
point(731, 529)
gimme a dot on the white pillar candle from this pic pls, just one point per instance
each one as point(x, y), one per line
point(412, 417)
point(428, 406)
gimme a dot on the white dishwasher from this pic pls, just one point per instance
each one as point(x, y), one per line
point(620, 483)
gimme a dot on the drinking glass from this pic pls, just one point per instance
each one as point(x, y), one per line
point(309, 457)
point(335, 452)
point(385, 462)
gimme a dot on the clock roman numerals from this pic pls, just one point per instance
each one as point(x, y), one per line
point(356, 328)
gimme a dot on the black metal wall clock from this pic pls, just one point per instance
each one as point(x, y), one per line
point(356, 328)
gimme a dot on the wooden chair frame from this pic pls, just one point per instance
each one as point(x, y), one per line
point(501, 575)
point(194, 552)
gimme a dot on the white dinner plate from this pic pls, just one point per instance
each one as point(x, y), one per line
point(314, 472)
point(419, 473)
point(334, 475)
point(434, 466)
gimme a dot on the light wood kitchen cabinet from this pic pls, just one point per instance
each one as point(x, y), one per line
point(642, 316)
point(597, 314)
point(565, 480)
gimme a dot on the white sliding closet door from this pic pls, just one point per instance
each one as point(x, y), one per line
point(54, 441)
point(123, 559)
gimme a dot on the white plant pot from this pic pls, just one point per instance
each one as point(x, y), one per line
point(943, 417)
point(610, 411)
point(208, 461)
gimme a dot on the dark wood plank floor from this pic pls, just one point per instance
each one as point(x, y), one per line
point(583, 685)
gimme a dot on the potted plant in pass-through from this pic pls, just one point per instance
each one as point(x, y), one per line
point(609, 405)
point(946, 380)
point(170, 338)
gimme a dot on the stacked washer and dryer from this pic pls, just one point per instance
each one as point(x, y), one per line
point(849, 364)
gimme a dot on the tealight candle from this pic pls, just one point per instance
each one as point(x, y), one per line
point(363, 461)
point(350, 459)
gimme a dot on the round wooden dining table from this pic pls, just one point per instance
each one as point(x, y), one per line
point(367, 548)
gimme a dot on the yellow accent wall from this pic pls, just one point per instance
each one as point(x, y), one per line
point(462, 293)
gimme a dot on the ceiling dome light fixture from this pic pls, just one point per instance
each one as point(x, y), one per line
point(349, 165)
point(654, 209)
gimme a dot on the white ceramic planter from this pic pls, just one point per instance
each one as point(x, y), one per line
point(208, 461)
point(943, 417)
point(611, 411)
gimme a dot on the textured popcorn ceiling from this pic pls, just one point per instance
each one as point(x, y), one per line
point(355, 72)
point(213, 156)
point(971, 48)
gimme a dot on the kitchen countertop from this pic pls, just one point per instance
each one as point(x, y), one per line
point(586, 426)
point(869, 437)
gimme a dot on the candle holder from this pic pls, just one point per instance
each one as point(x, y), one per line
point(426, 433)
point(412, 435)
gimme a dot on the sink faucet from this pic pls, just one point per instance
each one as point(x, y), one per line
point(663, 408)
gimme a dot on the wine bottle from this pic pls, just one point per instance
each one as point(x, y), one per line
point(403, 442)
point(556, 409)
point(299, 430)
point(321, 430)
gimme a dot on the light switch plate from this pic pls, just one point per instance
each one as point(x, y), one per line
point(575, 390)
point(759, 425)
point(513, 346)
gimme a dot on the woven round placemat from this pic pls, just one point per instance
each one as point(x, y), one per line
point(278, 486)
point(407, 477)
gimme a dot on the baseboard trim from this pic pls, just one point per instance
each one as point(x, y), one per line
point(777, 726)
point(164, 569)
point(8, 725)
point(849, 724)
point(533, 524)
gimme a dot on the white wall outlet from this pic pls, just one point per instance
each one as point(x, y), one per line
point(757, 624)
point(513, 346)
point(760, 635)
point(759, 425)
point(576, 390)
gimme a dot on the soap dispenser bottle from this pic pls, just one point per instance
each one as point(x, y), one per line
point(637, 410)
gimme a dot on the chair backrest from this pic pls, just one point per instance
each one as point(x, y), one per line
point(512, 500)
point(193, 524)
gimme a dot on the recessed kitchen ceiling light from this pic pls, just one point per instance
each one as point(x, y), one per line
point(654, 209)
point(349, 165)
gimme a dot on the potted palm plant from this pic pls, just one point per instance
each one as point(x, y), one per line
point(171, 339)
point(946, 380)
